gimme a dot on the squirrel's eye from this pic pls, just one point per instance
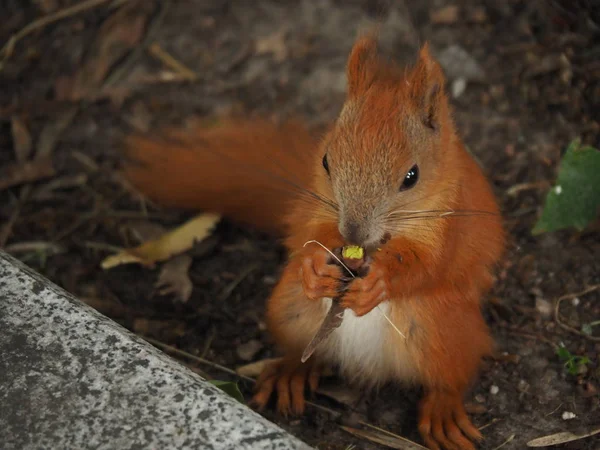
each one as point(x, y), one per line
point(325, 164)
point(411, 178)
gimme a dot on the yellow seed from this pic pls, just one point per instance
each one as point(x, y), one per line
point(353, 252)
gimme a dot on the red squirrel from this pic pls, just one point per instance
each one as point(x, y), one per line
point(391, 176)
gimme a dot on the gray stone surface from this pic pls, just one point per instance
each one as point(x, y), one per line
point(71, 378)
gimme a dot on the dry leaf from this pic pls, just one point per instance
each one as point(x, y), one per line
point(118, 35)
point(21, 139)
point(332, 320)
point(340, 393)
point(27, 172)
point(561, 438)
point(168, 245)
point(273, 44)
point(174, 280)
point(389, 440)
point(253, 370)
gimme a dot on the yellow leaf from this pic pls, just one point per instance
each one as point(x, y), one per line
point(168, 245)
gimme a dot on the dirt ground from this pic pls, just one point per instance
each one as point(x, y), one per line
point(525, 81)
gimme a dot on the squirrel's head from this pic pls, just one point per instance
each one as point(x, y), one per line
point(384, 155)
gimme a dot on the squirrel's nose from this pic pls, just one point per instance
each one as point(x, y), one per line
point(353, 233)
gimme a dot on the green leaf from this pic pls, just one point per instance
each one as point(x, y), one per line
point(230, 388)
point(563, 353)
point(575, 199)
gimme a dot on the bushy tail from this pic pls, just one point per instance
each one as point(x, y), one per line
point(247, 170)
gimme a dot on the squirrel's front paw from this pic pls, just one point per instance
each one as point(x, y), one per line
point(365, 293)
point(320, 277)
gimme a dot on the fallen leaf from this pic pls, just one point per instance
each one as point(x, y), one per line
point(340, 393)
point(253, 370)
point(561, 438)
point(249, 349)
point(142, 230)
point(117, 36)
point(21, 139)
point(445, 16)
point(174, 280)
point(273, 44)
point(575, 199)
point(168, 245)
point(27, 172)
point(389, 440)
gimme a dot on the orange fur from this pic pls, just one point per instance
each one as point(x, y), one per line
point(432, 248)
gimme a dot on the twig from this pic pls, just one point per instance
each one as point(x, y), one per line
point(389, 433)
point(8, 48)
point(563, 325)
point(510, 439)
point(34, 246)
point(489, 424)
point(120, 71)
point(557, 408)
point(516, 332)
point(517, 188)
point(168, 60)
point(231, 287)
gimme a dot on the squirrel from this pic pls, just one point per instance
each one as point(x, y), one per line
point(390, 175)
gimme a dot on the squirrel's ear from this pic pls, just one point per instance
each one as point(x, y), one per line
point(362, 65)
point(427, 88)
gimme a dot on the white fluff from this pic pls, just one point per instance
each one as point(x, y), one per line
point(367, 348)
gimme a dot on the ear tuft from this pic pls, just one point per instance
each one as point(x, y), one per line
point(362, 65)
point(427, 82)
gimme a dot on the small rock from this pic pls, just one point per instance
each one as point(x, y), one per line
point(544, 307)
point(494, 389)
point(523, 386)
point(445, 16)
point(248, 350)
point(575, 301)
point(568, 415)
point(458, 63)
point(458, 87)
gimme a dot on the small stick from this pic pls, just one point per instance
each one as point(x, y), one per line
point(159, 53)
point(335, 315)
point(563, 325)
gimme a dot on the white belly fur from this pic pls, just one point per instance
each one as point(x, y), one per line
point(368, 349)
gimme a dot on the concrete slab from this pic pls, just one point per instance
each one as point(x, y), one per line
point(71, 378)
